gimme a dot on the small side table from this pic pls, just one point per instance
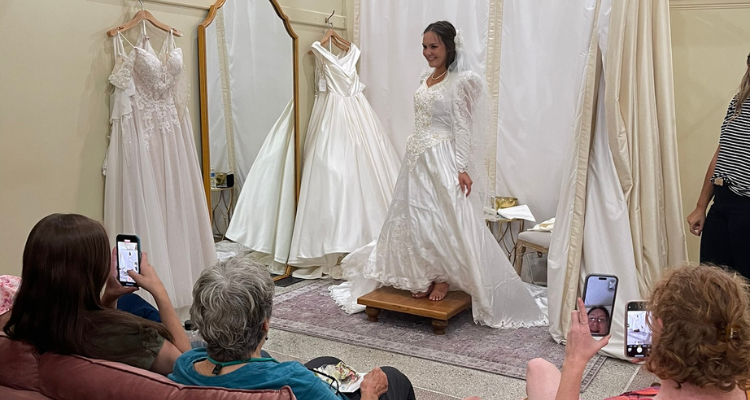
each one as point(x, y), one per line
point(503, 228)
point(225, 205)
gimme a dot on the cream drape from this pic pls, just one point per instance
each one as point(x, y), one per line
point(639, 123)
point(566, 246)
point(639, 101)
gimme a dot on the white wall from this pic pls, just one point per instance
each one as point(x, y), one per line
point(54, 99)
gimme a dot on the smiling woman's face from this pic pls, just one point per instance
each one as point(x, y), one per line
point(433, 50)
point(598, 322)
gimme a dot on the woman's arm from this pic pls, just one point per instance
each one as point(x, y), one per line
point(581, 346)
point(149, 280)
point(113, 290)
point(697, 218)
point(468, 89)
point(164, 361)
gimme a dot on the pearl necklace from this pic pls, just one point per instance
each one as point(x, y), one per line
point(432, 76)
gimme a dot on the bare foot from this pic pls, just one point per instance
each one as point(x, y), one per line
point(439, 291)
point(419, 295)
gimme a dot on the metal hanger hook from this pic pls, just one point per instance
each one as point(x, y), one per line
point(328, 20)
point(142, 8)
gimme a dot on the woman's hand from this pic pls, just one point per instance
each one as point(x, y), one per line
point(374, 384)
point(696, 219)
point(464, 181)
point(581, 346)
point(113, 290)
point(579, 349)
point(148, 279)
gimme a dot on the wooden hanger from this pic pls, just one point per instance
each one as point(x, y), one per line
point(331, 35)
point(143, 15)
point(337, 40)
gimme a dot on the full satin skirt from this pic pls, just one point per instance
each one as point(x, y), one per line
point(348, 174)
point(434, 233)
point(263, 218)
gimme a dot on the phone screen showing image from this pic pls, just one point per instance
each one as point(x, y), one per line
point(128, 258)
point(599, 299)
point(638, 333)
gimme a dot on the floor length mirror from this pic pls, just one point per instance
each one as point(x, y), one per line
point(249, 125)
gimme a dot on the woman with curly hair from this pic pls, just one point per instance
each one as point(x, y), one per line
point(700, 318)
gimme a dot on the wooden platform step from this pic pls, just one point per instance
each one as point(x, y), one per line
point(388, 298)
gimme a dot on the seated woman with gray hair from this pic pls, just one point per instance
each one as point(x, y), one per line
point(232, 304)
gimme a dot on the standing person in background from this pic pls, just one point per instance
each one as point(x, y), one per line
point(725, 231)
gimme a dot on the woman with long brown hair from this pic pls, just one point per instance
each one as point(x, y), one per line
point(724, 230)
point(67, 299)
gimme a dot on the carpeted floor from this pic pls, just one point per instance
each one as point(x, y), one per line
point(309, 310)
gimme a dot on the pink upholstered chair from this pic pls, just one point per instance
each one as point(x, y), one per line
point(24, 374)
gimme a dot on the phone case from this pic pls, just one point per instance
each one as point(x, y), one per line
point(586, 290)
point(132, 257)
point(632, 347)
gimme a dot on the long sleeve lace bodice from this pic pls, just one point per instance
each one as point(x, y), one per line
point(443, 112)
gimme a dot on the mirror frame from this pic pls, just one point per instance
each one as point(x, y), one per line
point(203, 83)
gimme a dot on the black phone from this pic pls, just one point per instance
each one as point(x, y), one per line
point(599, 294)
point(128, 258)
point(637, 330)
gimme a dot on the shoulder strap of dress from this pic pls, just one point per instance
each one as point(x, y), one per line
point(119, 47)
point(169, 41)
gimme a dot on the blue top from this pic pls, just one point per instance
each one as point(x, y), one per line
point(261, 373)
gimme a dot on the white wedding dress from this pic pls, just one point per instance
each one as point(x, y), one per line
point(433, 231)
point(263, 218)
point(349, 169)
point(153, 184)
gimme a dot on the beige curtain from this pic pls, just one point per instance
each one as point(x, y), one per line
point(567, 237)
point(640, 124)
point(639, 104)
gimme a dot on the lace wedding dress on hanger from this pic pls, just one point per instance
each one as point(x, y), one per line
point(348, 172)
point(433, 231)
point(153, 184)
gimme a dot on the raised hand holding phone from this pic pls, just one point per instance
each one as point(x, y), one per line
point(113, 289)
point(581, 345)
point(147, 278)
point(579, 349)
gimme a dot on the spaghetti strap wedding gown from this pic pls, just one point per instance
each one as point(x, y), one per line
point(433, 231)
point(153, 184)
point(349, 169)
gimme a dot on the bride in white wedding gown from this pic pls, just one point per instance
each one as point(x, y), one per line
point(434, 238)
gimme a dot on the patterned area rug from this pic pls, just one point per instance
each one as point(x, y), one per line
point(310, 310)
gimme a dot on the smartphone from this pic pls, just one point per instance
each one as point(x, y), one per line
point(637, 331)
point(599, 294)
point(128, 258)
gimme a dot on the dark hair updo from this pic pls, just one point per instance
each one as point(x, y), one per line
point(447, 34)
